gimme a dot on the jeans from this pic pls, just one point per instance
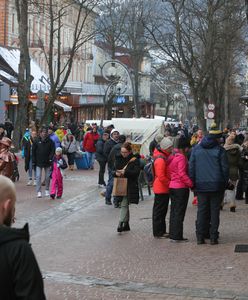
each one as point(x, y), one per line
point(160, 207)
point(91, 159)
point(102, 165)
point(38, 178)
point(208, 214)
point(30, 170)
point(109, 186)
point(179, 202)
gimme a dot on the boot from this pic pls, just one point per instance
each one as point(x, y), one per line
point(232, 209)
point(120, 227)
point(125, 226)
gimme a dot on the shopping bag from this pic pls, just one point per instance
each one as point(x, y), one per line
point(120, 186)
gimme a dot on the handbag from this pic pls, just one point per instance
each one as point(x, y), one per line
point(65, 150)
point(120, 183)
point(120, 186)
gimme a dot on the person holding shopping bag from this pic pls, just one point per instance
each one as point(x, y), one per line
point(127, 166)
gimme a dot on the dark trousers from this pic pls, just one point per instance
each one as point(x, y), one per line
point(179, 201)
point(70, 157)
point(239, 190)
point(160, 207)
point(102, 165)
point(208, 213)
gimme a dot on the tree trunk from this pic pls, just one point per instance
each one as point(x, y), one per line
point(24, 76)
point(136, 93)
point(46, 119)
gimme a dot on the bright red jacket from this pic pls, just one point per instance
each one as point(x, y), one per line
point(178, 168)
point(89, 142)
point(161, 173)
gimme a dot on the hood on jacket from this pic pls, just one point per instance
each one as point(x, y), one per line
point(209, 142)
point(158, 152)
point(8, 234)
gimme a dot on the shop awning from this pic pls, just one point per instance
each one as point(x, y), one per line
point(65, 107)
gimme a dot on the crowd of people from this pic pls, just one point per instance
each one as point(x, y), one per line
point(213, 166)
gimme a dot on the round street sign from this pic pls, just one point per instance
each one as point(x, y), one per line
point(211, 106)
point(210, 115)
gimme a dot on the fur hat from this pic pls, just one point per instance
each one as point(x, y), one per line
point(6, 141)
point(215, 132)
point(165, 143)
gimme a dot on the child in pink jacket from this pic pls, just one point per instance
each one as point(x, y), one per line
point(179, 190)
point(58, 165)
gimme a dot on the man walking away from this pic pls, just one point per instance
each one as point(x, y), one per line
point(208, 169)
point(20, 275)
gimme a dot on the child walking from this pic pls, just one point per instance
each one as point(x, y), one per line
point(58, 165)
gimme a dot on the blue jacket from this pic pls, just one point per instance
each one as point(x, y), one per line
point(56, 140)
point(208, 166)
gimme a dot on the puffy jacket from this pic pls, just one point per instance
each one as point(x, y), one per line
point(178, 168)
point(208, 166)
point(89, 142)
point(42, 152)
point(161, 172)
point(6, 163)
point(55, 139)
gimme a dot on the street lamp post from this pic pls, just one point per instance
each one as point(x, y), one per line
point(118, 77)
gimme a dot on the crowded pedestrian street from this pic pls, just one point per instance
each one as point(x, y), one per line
point(81, 255)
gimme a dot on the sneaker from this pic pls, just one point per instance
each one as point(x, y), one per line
point(34, 183)
point(39, 195)
point(101, 185)
point(47, 194)
point(183, 240)
point(29, 182)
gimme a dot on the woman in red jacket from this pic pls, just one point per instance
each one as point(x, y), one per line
point(161, 187)
point(89, 144)
point(179, 190)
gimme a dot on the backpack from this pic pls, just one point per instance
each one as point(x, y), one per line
point(149, 169)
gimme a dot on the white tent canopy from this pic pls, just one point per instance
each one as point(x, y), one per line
point(141, 131)
point(65, 107)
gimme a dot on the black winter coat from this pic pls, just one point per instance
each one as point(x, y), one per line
point(131, 173)
point(20, 275)
point(99, 151)
point(243, 164)
point(107, 149)
point(27, 152)
point(43, 152)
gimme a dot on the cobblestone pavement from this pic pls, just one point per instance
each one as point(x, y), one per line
point(83, 257)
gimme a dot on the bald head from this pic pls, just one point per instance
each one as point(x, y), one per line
point(7, 201)
point(7, 189)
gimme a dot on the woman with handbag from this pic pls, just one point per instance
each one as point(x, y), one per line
point(126, 166)
point(69, 146)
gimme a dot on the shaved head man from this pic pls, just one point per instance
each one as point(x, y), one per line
point(20, 275)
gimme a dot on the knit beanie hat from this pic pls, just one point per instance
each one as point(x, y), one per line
point(166, 143)
point(59, 149)
point(214, 131)
point(159, 137)
point(114, 130)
